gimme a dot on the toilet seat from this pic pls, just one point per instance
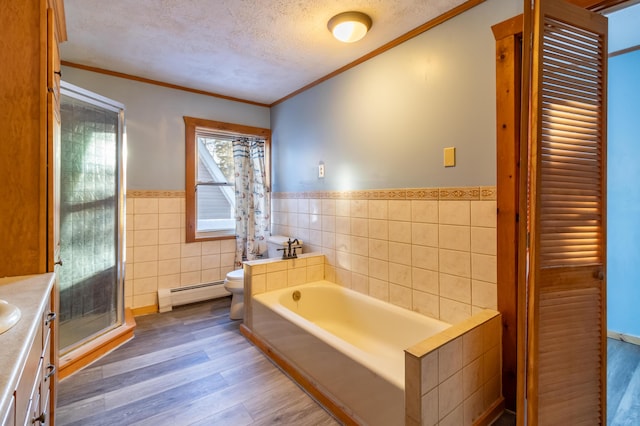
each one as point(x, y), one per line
point(235, 280)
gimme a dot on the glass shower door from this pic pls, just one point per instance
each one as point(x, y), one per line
point(91, 216)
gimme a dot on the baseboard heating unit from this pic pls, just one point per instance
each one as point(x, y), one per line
point(170, 297)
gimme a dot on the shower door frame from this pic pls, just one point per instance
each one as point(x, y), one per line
point(87, 96)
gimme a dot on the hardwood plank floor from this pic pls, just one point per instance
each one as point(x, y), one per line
point(190, 366)
point(623, 383)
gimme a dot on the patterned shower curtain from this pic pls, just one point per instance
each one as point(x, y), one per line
point(253, 206)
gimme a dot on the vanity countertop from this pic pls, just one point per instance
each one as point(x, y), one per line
point(29, 294)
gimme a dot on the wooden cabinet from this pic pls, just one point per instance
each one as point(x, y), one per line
point(29, 159)
point(29, 123)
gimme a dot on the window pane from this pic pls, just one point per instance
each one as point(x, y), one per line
point(216, 157)
point(215, 204)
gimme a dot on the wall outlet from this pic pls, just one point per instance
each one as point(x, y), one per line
point(321, 170)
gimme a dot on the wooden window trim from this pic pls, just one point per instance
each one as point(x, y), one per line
point(191, 161)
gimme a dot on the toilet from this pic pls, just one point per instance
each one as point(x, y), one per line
point(234, 282)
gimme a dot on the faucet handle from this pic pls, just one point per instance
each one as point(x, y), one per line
point(284, 252)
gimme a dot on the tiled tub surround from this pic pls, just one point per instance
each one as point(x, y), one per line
point(157, 255)
point(431, 250)
point(453, 377)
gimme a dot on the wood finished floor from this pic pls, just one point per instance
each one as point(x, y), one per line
point(190, 366)
point(623, 383)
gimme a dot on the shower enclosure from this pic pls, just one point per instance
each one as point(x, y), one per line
point(91, 216)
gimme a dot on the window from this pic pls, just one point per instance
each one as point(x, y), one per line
point(209, 180)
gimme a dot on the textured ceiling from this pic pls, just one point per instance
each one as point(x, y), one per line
point(256, 50)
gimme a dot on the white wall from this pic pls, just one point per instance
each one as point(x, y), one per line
point(384, 123)
point(155, 127)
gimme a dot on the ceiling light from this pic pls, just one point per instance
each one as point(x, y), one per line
point(349, 26)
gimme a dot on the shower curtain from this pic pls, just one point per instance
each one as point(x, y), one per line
point(253, 204)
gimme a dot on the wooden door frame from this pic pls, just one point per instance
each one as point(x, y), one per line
point(508, 35)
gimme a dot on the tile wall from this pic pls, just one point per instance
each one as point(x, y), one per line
point(156, 253)
point(455, 377)
point(432, 250)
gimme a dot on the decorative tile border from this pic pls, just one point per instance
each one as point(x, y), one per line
point(469, 193)
point(488, 193)
point(154, 194)
point(454, 193)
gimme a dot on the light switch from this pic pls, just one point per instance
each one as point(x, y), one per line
point(450, 157)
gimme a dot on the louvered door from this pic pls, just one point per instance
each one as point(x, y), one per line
point(566, 325)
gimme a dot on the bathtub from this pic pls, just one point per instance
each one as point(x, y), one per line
point(347, 345)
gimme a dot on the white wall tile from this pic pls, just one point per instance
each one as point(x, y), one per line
point(484, 294)
point(343, 208)
point(455, 288)
point(450, 395)
point(303, 205)
point(379, 289)
point(449, 359)
point(210, 247)
point(169, 205)
point(400, 296)
point(455, 262)
point(343, 225)
point(425, 280)
point(424, 211)
point(379, 229)
point(359, 227)
point(426, 304)
point(483, 240)
point(146, 221)
point(191, 249)
point(168, 236)
point(400, 253)
point(343, 242)
point(484, 267)
point(168, 251)
point(424, 257)
point(400, 210)
point(400, 231)
point(360, 208)
point(379, 249)
point(454, 237)
point(424, 234)
point(379, 269)
point(360, 245)
point(483, 213)
point(400, 274)
point(454, 212)
point(145, 205)
point(378, 209)
point(454, 312)
point(168, 220)
point(145, 238)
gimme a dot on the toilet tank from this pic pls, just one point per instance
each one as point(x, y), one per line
point(276, 242)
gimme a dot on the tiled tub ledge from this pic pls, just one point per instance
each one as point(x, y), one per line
point(455, 377)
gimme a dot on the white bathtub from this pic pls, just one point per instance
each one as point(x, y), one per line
point(350, 346)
